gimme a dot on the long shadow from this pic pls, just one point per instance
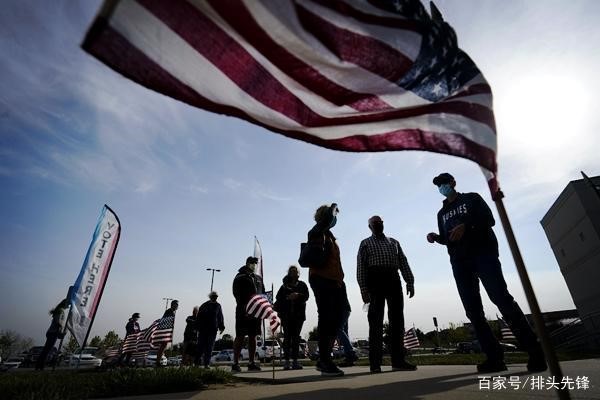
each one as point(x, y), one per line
point(410, 390)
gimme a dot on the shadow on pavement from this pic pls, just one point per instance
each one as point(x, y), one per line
point(415, 389)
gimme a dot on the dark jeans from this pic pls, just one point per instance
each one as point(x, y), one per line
point(50, 341)
point(329, 297)
point(385, 286)
point(487, 269)
point(343, 338)
point(291, 337)
point(206, 341)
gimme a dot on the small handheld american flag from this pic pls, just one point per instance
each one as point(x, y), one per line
point(259, 307)
point(411, 340)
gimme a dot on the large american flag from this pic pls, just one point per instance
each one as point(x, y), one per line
point(141, 342)
point(352, 75)
point(260, 307)
point(411, 340)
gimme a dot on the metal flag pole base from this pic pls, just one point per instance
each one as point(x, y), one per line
point(540, 327)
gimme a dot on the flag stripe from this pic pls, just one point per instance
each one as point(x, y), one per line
point(239, 66)
point(299, 70)
point(287, 32)
point(410, 339)
point(368, 18)
point(229, 96)
point(121, 55)
point(348, 46)
point(323, 84)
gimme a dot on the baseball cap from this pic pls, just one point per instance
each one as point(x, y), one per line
point(135, 315)
point(442, 178)
point(251, 260)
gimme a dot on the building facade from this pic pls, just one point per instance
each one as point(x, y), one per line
point(572, 226)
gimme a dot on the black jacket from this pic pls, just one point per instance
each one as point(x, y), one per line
point(190, 334)
point(479, 238)
point(295, 309)
point(210, 317)
point(131, 327)
point(245, 285)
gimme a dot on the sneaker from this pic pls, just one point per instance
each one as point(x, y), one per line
point(236, 368)
point(489, 366)
point(253, 367)
point(375, 370)
point(404, 366)
point(537, 361)
point(297, 365)
point(331, 370)
point(286, 365)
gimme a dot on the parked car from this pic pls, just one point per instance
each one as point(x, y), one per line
point(468, 347)
point(245, 355)
point(223, 355)
point(12, 362)
point(174, 361)
point(84, 359)
point(30, 357)
point(150, 360)
point(270, 349)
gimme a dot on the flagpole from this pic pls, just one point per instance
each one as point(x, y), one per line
point(563, 393)
point(273, 346)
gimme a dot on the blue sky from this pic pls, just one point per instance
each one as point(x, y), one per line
point(193, 188)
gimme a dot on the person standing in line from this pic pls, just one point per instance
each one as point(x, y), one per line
point(54, 332)
point(190, 338)
point(343, 337)
point(132, 327)
point(209, 320)
point(246, 284)
point(465, 227)
point(290, 305)
point(170, 312)
point(327, 282)
point(378, 261)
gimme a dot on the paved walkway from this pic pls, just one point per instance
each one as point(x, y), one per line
point(428, 382)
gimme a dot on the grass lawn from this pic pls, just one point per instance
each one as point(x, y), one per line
point(71, 384)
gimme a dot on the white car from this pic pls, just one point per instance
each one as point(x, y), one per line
point(13, 362)
point(86, 359)
point(223, 355)
point(270, 349)
point(150, 360)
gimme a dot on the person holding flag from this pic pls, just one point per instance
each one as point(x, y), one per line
point(246, 285)
point(465, 227)
point(162, 345)
point(131, 328)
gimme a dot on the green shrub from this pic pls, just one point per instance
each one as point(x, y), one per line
point(65, 385)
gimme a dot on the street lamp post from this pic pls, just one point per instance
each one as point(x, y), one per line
point(213, 276)
point(167, 299)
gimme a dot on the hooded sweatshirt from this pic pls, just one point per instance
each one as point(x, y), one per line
point(245, 285)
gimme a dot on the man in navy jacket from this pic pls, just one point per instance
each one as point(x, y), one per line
point(465, 227)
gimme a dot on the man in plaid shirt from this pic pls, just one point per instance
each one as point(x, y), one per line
point(379, 259)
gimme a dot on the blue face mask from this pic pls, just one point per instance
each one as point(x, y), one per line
point(445, 189)
point(333, 222)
